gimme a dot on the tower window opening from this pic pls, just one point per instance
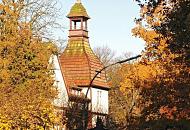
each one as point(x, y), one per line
point(85, 25)
point(76, 25)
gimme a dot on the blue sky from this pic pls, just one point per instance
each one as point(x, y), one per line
point(110, 24)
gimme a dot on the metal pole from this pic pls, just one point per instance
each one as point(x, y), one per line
point(85, 106)
point(98, 72)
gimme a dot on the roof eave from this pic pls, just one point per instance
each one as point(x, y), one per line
point(73, 16)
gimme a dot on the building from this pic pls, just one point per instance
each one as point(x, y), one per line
point(76, 67)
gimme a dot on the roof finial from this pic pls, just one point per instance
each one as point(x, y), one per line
point(78, 1)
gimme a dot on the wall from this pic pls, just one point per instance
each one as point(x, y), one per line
point(99, 102)
point(62, 99)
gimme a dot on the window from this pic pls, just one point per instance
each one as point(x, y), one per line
point(76, 25)
point(99, 98)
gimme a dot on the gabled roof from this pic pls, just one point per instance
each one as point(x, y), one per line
point(78, 10)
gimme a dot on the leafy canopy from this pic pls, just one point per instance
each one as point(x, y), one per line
point(26, 82)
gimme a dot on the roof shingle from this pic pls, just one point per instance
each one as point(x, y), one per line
point(78, 10)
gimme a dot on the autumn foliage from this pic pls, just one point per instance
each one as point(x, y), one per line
point(163, 73)
point(26, 82)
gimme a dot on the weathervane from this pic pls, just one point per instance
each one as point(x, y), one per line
point(78, 1)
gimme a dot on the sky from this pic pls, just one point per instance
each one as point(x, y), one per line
point(110, 24)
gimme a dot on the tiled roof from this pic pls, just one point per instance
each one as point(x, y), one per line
point(79, 65)
point(78, 10)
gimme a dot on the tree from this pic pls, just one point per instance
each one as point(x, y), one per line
point(167, 20)
point(163, 73)
point(26, 79)
point(122, 105)
point(176, 26)
point(105, 54)
point(74, 112)
point(42, 16)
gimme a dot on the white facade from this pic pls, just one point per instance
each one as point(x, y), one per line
point(99, 102)
point(62, 98)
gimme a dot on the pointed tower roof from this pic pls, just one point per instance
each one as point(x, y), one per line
point(78, 10)
point(78, 62)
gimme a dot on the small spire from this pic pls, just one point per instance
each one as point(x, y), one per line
point(78, 1)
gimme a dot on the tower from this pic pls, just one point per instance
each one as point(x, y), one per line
point(79, 64)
